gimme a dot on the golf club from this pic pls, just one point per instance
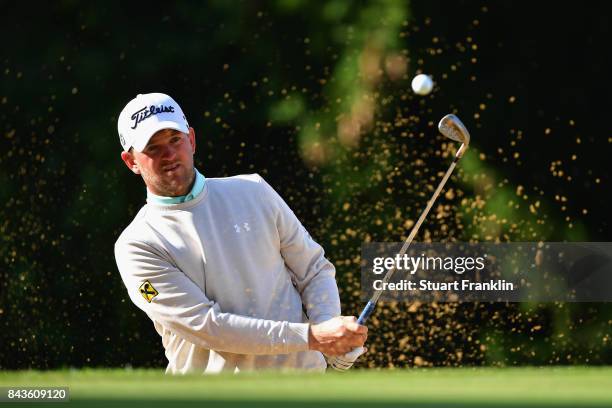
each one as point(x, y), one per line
point(451, 127)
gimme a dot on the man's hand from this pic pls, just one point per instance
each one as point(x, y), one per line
point(337, 336)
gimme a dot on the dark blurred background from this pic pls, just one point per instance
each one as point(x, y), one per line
point(315, 97)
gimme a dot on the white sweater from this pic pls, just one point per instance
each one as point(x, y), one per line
point(226, 278)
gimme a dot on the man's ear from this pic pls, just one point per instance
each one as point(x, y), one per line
point(192, 139)
point(128, 159)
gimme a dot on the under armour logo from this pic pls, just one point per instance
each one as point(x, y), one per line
point(244, 225)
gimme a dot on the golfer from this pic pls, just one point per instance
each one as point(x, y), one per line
point(227, 273)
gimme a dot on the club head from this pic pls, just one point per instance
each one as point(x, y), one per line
point(451, 127)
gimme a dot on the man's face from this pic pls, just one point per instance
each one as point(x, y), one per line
point(166, 163)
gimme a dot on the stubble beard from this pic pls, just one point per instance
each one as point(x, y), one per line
point(173, 188)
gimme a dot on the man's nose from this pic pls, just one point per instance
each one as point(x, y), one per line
point(168, 151)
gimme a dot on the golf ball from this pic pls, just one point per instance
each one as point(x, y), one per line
point(422, 84)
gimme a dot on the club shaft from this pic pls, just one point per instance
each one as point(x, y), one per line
point(369, 308)
point(345, 362)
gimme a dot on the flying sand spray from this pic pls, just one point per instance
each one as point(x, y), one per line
point(451, 127)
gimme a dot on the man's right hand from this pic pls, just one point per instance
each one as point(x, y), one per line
point(337, 336)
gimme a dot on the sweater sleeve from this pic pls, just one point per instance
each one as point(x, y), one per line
point(312, 274)
point(170, 297)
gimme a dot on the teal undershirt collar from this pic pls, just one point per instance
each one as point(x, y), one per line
point(198, 186)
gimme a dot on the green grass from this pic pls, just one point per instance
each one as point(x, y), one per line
point(462, 387)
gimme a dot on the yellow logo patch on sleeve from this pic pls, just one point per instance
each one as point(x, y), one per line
point(148, 291)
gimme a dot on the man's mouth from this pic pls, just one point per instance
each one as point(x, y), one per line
point(172, 167)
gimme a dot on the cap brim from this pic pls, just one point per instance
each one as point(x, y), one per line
point(142, 142)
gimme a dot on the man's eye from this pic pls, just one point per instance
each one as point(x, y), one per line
point(175, 139)
point(152, 149)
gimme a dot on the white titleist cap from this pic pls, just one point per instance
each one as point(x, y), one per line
point(147, 114)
